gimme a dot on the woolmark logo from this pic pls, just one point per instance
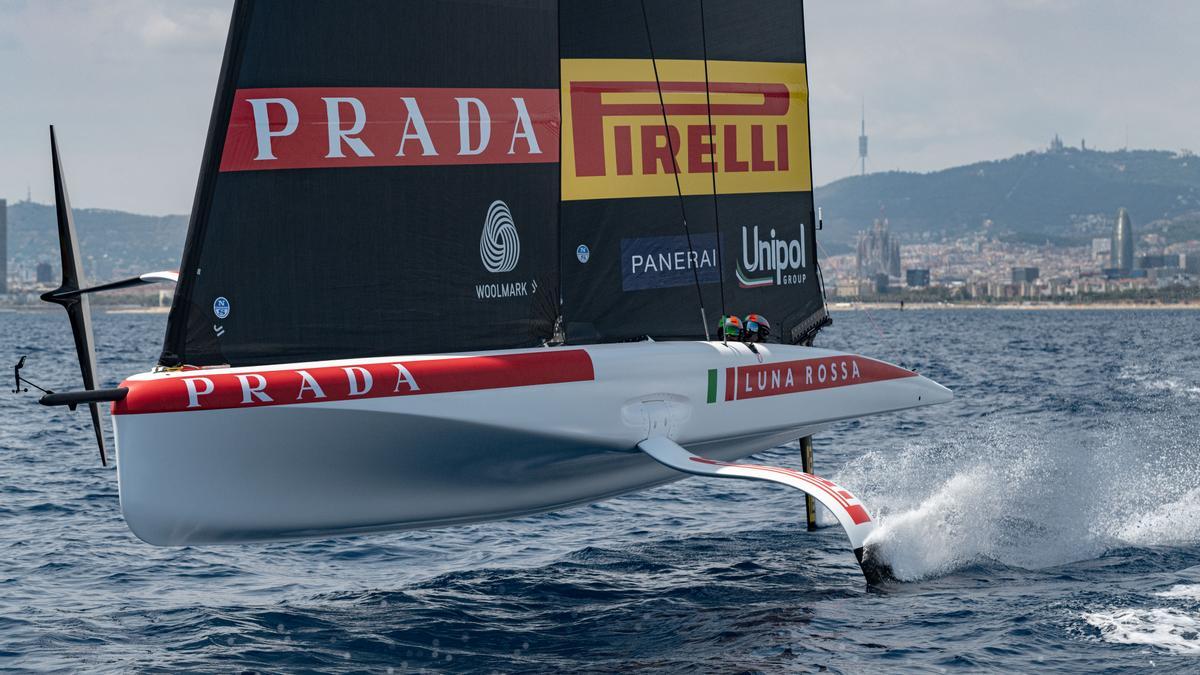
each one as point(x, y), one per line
point(770, 261)
point(499, 245)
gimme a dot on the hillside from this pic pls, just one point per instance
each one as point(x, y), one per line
point(113, 243)
point(1068, 196)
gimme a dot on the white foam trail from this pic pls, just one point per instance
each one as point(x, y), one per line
point(1173, 385)
point(1030, 498)
point(1186, 591)
point(1150, 378)
point(1158, 627)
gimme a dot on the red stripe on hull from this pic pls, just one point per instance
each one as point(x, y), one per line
point(214, 390)
point(790, 377)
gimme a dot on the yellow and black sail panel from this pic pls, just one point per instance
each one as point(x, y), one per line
point(686, 178)
point(744, 122)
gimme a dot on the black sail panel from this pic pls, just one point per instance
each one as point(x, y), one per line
point(628, 268)
point(380, 178)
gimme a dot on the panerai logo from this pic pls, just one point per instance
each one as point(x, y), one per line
point(767, 261)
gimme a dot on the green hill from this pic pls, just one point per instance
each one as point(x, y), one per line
point(1068, 195)
point(113, 243)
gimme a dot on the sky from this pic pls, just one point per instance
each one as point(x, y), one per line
point(130, 84)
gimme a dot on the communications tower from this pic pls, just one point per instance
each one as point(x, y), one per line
point(862, 140)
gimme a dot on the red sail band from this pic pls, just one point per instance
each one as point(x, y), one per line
point(330, 127)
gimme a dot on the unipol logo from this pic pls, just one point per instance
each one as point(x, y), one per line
point(499, 245)
point(767, 261)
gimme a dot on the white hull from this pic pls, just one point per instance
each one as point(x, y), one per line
point(257, 471)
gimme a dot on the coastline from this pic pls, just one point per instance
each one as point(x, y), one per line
point(117, 309)
point(138, 310)
point(833, 307)
point(1104, 306)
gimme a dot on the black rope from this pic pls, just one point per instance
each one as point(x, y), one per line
point(675, 167)
point(713, 163)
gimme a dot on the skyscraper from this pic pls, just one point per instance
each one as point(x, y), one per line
point(1122, 243)
point(3, 246)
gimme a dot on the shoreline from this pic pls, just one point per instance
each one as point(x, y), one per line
point(833, 307)
point(116, 309)
point(1011, 306)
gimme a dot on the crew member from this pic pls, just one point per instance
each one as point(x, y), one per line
point(730, 328)
point(757, 328)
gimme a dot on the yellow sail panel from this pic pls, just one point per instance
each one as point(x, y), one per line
point(615, 144)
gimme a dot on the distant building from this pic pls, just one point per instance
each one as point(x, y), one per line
point(3, 246)
point(878, 252)
point(1102, 248)
point(1190, 263)
point(1155, 261)
point(879, 284)
point(45, 273)
point(1024, 275)
point(1056, 144)
point(916, 277)
point(1122, 243)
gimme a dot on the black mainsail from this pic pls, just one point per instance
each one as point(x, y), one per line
point(389, 178)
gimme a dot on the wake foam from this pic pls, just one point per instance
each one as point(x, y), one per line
point(1028, 498)
point(1165, 628)
point(1185, 591)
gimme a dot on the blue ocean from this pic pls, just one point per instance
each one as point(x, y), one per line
point(1048, 519)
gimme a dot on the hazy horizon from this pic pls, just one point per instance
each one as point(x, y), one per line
point(130, 83)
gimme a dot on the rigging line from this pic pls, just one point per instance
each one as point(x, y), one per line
point(713, 163)
point(675, 169)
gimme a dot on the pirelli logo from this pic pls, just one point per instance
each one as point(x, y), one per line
point(615, 144)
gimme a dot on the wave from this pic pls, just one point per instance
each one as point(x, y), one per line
point(1030, 498)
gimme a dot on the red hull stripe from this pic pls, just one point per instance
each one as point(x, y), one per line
point(790, 377)
point(213, 390)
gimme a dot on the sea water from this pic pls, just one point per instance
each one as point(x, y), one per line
point(1048, 518)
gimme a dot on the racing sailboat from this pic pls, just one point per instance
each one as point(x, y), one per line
point(457, 261)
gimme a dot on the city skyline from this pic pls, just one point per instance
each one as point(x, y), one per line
point(130, 85)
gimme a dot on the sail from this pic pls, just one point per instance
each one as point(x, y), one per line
point(386, 178)
point(379, 178)
point(729, 78)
